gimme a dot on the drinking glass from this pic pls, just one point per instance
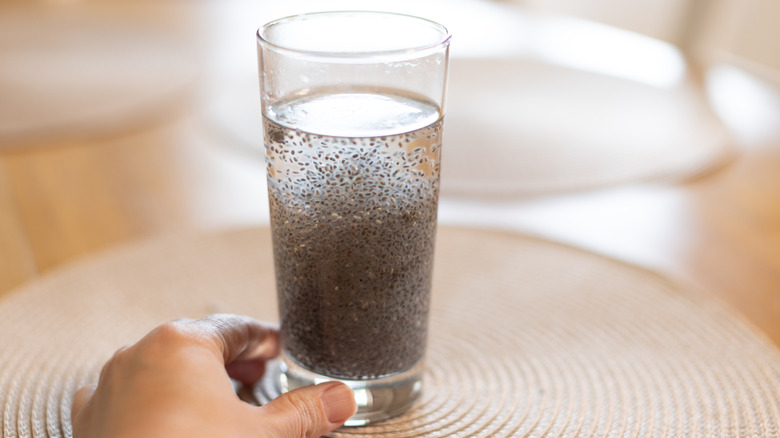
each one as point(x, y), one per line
point(353, 106)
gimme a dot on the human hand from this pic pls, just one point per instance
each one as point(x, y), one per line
point(175, 382)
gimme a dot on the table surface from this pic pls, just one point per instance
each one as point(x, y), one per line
point(62, 199)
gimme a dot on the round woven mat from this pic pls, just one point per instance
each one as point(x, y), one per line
point(88, 70)
point(528, 338)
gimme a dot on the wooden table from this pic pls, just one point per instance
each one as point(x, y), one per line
point(62, 199)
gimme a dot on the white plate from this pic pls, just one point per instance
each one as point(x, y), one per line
point(524, 127)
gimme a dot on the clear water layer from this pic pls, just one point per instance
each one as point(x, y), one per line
point(355, 113)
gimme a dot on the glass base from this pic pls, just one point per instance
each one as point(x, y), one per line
point(377, 399)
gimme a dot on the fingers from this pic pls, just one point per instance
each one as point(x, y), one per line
point(311, 411)
point(238, 337)
point(246, 371)
point(80, 399)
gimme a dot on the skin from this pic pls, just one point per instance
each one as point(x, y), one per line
point(175, 382)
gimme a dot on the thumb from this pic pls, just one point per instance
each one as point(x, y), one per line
point(311, 411)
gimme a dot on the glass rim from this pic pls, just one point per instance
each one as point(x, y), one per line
point(406, 52)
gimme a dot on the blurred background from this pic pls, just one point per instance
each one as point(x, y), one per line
point(644, 131)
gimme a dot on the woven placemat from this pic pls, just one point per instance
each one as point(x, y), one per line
point(528, 338)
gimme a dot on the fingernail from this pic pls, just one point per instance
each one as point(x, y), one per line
point(339, 402)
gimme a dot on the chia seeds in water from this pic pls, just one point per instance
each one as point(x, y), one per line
point(353, 222)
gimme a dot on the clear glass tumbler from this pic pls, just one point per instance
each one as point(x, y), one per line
point(353, 106)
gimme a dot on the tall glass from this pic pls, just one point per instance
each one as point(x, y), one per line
point(353, 106)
